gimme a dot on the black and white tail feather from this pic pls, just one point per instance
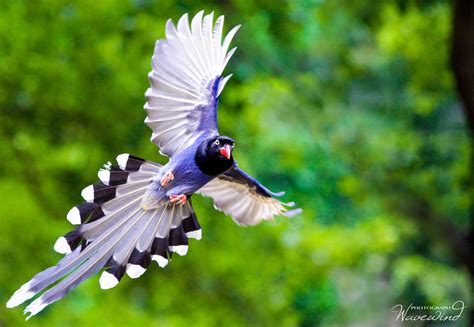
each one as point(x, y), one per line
point(113, 232)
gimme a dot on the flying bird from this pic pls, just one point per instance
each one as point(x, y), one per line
point(141, 211)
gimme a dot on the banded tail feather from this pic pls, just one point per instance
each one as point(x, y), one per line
point(113, 233)
point(132, 217)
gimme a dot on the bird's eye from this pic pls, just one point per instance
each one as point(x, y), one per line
point(216, 142)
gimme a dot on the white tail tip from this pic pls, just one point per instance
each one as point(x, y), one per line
point(21, 295)
point(179, 249)
point(135, 271)
point(196, 234)
point(88, 193)
point(62, 246)
point(74, 216)
point(34, 308)
point(107, 280)
point(104, 176)
point(162, 262)
point(122, 160)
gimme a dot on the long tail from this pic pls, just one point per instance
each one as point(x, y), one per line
point(114, 233)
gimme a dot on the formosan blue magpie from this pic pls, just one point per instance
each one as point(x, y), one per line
point(140, 211)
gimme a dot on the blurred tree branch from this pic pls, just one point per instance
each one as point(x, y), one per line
point(462, 57)
point(458, 239)
point(462, 61)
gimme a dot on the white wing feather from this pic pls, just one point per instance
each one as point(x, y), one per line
point(245, 199)
point(185, 81)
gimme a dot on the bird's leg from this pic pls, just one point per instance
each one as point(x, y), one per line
point(180, 199)
point(166, 179)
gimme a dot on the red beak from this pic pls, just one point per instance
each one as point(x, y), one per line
point(225, 151)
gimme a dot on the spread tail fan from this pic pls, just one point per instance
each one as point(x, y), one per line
point(113, 232)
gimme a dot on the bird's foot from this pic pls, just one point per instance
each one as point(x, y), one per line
point(179, 199)
point(168, 177)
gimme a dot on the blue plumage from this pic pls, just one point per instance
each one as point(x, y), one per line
point(140, 211)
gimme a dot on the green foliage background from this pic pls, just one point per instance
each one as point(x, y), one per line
point(349, 106)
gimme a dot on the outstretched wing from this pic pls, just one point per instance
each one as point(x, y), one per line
point(186, 81)
point(245, 199)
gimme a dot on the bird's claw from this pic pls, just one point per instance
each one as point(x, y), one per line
point(166, 179)
point(179, 199)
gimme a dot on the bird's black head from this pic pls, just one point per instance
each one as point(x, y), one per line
point(214, 156)
point(220, 147)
